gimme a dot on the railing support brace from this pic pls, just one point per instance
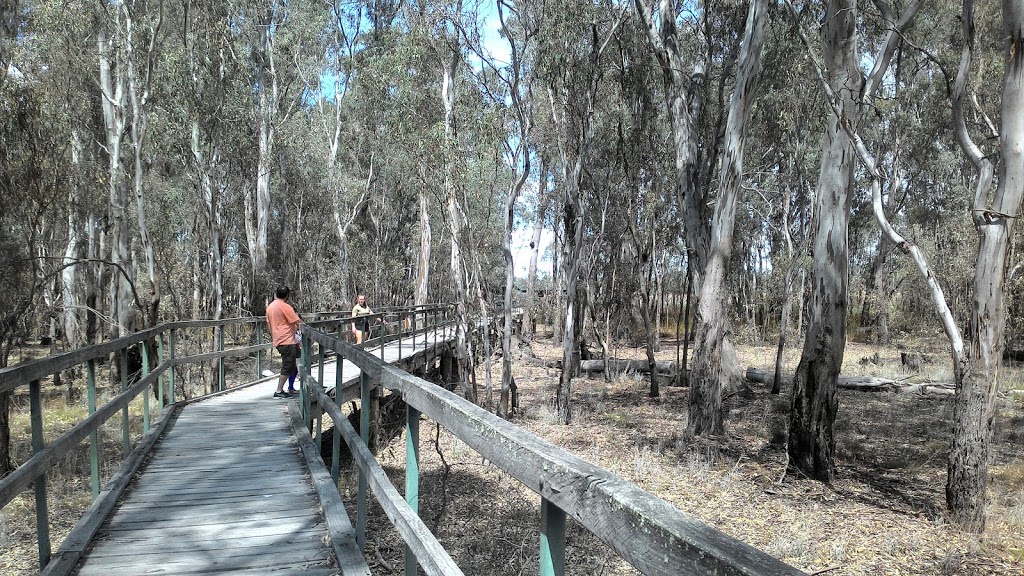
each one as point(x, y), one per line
point(336, 446)
point(126, 437)
point(42, 512)
point(145, 395)
point(170, 377)
point(552, 539)
point(364, 434)
point(94, 438)
point(412, 475)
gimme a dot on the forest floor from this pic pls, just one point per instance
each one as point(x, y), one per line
point(884, 515)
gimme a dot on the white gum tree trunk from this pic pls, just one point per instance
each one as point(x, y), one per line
point(811, 446)
point(713, 362)
point(113, 102)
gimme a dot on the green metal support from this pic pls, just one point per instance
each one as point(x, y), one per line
point(145, 395)
point(170, 377)
point(319, 386)
point(126, 437)
point(552, 539)
point(305, 372)
point(336, 446)
point(220, 360)
point(364, 434)
point(94, 437)
point(42, 513)
point(412, 475)
point(160, 362)
point(259, 353)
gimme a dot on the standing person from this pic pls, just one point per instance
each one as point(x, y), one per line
point(360, 325)
point(284, 324)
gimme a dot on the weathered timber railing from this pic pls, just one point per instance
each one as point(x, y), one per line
point(649, 533)
point(389, 324)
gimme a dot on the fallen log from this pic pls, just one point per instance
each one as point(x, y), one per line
point(619, 366)
point(862, 383)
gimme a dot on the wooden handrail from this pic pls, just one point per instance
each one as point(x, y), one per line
point(648, 532)
point(36, 467)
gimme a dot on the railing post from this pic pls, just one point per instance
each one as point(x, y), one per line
point(42, 513)
point(126, 438)
point(259, 353)
point(552, 539)
point(364, 434)
point(160, 362)
point(145, 395)
point(220, 360)
point(339, 378)
point(412, 475)
point(305, 370)
point(319, 386)
point(170, 377)
point(94, 437)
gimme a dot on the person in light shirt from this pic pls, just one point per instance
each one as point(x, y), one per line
point(360, 325)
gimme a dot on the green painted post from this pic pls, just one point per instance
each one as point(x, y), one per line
point(220, 360)
point(145, 395)
point(42, 513)
point(126, 437)
point(412, 475)
point(336, 447)
point(319, 411)
point(160, 362)
point(552, 539)
point(259, 353)
point(364, 434)
point(94, 437)
point(170, 377)
point(305, 374)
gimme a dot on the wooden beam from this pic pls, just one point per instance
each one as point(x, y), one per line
point(343, 535)
point(432, 557)
point(651, 534)
point(70, 552)
point(38, 464)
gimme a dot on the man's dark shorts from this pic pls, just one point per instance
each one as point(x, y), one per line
point(289, 354)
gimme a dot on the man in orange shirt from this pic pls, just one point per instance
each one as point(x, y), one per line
point(284, 323)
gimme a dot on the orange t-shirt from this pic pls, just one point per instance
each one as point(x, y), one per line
point(283, 322)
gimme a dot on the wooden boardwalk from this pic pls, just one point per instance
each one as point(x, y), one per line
point(227, 491)
point(394, 353)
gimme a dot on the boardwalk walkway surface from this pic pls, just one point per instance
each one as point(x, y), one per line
point(226, 491)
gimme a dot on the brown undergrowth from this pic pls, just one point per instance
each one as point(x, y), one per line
point(884, 515)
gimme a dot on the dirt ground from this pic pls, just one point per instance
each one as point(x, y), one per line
point(883, 516)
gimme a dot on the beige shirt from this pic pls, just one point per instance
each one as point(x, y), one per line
point(359, 310)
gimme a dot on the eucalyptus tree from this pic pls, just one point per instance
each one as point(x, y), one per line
point(213, 73)
point(709, 244)
point(517, 149)
point(275, 35)
point(570, 64)
point(531, 312)
point(712, 349)
point(331, 117)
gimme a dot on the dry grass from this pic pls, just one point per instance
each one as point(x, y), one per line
point(883, 516)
